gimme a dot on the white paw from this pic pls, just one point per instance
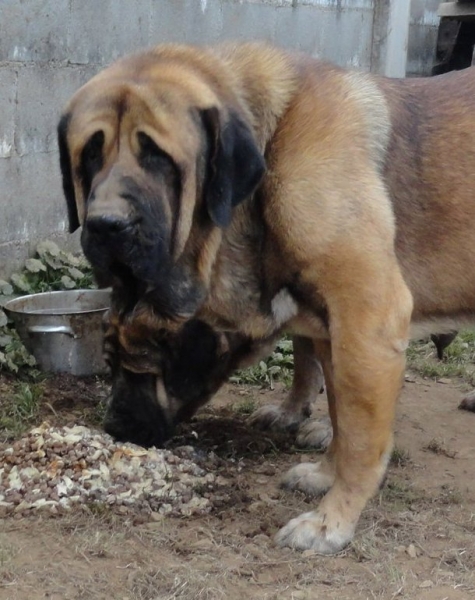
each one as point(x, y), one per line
point(310, 531)
point(273, 417)
point(310, 478)
point(315, 433)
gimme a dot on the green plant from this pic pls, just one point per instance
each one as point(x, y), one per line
point(459, 358)
point(277, 367)
point(400, 457)
point(400, 495)
point(450, 495)
point(245, 407)
point(50, 269)
point(13, 354)
point(18, 410)
point(459, 361)
point(26, 400)
point(7, 551)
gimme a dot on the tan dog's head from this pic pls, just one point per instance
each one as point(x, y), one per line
point(155, 152)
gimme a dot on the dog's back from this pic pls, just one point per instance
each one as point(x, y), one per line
point(430, 173)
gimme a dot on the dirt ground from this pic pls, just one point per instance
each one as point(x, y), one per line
point(416, 540)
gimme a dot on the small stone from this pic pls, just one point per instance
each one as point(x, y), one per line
point(261, 539)
point(426, 584)
point(412, 551)
point(265, 578)
point(156, 516)
point(262, 480)
point(266, 469)
point(202, 545)
point(444, 380)
point(265, 498)
point(255, 506)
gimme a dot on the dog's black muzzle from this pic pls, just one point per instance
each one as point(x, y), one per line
point(130, 255)
point(120, 247)
point(133, 414)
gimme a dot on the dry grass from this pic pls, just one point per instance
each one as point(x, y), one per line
point(178, 583)
point(400, 457)
point(8, 572)
point(203, 560)
point(438, 446)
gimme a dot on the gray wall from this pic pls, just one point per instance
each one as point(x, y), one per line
point(48, 48)
point(423, 26)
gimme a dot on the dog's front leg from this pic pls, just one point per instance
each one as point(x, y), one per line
point(368, 337)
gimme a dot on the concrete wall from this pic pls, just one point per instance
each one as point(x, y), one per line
point(423, 25)
point(390, 37)
point(48, 48)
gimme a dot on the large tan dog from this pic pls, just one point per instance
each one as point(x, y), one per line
point(263, 191)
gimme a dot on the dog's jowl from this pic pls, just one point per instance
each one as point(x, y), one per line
point(261, 191)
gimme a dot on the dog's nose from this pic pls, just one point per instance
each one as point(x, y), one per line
point(108, 224)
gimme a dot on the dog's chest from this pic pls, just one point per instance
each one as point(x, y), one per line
point(249, 315)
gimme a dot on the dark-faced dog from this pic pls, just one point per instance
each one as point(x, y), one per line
point(263, 191)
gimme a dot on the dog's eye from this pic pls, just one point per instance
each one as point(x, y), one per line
point(91, 160)
point(93, 148)
point(92, 152)
point(151, 157)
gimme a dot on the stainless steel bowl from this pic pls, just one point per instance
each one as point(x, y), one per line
point(63, 330)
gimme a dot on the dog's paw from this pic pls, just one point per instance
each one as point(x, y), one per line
point(312, 479)
point(311, 531)
point(468, 403)
point(315, 433)
point(275, 418)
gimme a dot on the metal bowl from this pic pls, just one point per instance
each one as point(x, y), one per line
point(63, 330)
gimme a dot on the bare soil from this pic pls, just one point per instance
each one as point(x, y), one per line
point(416, 540)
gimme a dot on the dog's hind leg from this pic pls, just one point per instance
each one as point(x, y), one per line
point(306, 385)
point(318, 432)
point(316, 478)
point(315, 433)
point(441, 341)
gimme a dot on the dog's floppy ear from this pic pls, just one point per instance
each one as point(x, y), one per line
point(235, 164)
point(66, 172)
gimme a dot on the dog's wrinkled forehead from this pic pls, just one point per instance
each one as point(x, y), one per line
point(147, 91)
point(125, 110)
